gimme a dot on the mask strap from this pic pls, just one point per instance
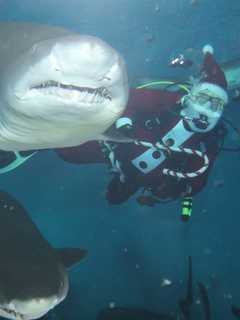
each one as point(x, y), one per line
point(183, 99)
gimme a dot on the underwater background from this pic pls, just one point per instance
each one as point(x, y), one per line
point(131, 248)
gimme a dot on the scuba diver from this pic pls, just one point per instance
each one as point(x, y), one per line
point(184, 306)
point(177, 137)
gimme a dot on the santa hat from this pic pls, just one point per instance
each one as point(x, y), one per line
point(214, 82)
point(213, 72)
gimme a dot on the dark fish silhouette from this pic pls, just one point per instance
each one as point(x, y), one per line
point(205, 301)
point(185, 304)
point(236, 312)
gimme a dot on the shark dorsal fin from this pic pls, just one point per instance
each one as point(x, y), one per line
point(71, 256)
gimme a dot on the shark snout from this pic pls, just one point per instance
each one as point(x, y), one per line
point(76, 54)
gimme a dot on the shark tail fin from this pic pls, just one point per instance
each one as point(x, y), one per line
point(71, 256)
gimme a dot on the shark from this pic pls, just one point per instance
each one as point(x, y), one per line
point(58, 88)
point(33, 275)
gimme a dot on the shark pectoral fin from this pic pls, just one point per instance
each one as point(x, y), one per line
point(115, 135)
point(71, 256)
point(116, 138)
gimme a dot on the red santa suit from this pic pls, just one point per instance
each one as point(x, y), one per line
point(152, 116)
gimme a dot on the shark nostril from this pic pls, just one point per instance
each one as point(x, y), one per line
point(105, 78)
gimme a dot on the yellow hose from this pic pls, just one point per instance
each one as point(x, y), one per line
point(150, 84)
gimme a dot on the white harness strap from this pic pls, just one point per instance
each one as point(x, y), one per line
point(152, 158)
point(115, 164)
point(177, 174)
point(154, 155)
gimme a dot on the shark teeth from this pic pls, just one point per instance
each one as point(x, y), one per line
point(85, 94)
point(17, 315)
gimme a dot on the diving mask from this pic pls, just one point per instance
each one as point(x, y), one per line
point(202, 98)
point(203, 106)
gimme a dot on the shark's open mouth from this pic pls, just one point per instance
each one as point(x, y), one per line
point(86, 94)
point(11, 312)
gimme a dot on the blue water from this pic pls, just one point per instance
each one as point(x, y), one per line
point(131, 249)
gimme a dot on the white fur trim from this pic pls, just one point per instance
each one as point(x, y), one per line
point(207, 49)
point(121, 122)
point(179, 135)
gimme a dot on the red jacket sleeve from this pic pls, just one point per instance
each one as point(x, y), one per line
point(150, 101)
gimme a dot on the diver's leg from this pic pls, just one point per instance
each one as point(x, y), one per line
point(119, 192)
point(89, 152)
point(169, 189)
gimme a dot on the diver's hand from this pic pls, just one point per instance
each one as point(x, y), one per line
point(207, 49)
point(127, 131)
point(125, 126)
